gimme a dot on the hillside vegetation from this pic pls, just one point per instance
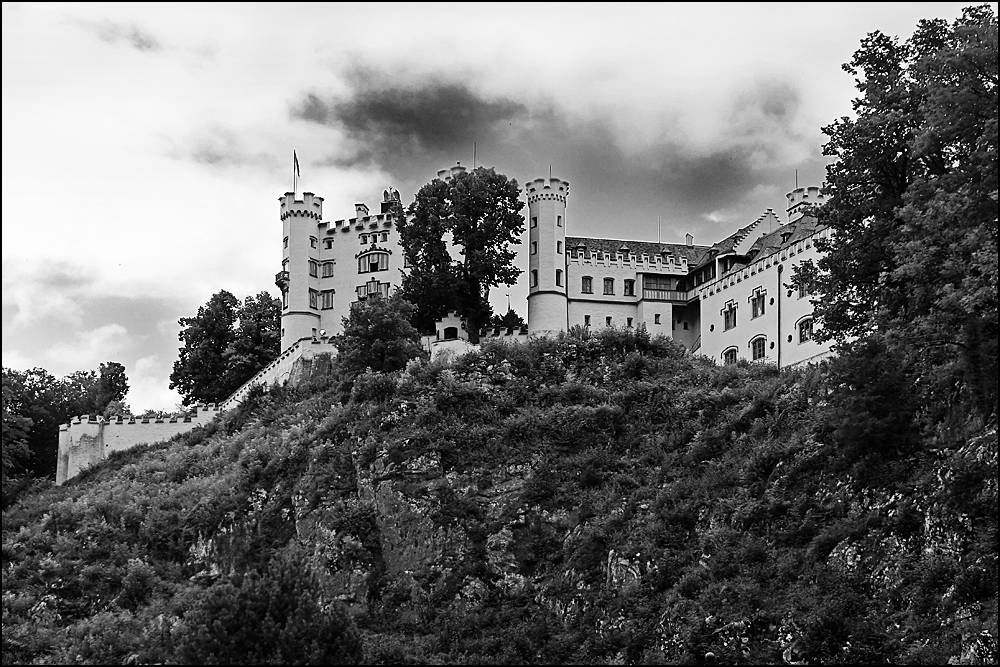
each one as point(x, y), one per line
point(605, 498)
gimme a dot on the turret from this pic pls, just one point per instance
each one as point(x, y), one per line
point(547, 302)
point(803, 198)
point(297, 279)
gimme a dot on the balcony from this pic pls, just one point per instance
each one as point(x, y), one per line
point(667, 295)
point(281, 280)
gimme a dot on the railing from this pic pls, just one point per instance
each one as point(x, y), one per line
point(281, 279)
point(666, 295)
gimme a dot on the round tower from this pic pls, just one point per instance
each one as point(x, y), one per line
point(547, 303)
point(802, 198)
point(298, 279)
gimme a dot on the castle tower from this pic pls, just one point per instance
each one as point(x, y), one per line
point(547, 303)
point(298, 279)
point(802, 198)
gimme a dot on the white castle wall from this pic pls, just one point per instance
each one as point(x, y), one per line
point(771, 273)
point(88, 440)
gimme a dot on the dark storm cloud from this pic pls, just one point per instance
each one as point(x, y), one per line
point(409, 127)
point(131, 34)
point(386, 119)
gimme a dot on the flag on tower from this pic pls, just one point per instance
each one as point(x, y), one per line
point(295, 171)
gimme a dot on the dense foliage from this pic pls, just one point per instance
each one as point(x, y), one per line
point(225, 345)
point(35, 403)
point(603, 498)
point(479, 212)
point(912, 260)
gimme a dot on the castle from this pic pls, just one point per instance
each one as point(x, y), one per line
point(727, 301)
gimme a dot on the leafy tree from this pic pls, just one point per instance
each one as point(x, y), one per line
point(225, 345)
point(278, 618)
point(511, 320)
point(480, 212)
point(377, 335)
point(913, 250)
point(46, 402)
point(15, 452)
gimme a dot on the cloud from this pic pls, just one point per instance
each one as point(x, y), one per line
point(219, 147)
point(387, 116)
point(87, 349)
point(52, 291)
point(131, 34)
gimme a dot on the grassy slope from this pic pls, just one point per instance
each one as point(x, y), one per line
point(575, 500)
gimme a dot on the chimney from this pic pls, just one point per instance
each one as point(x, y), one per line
point(689, 240)
point(361, 210)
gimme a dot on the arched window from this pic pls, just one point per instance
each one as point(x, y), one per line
point(609, 285)
point(758, 348)
point(805, 330)
point(373, 260)
point(450, 333)
point(729, 356)
point(587, 285)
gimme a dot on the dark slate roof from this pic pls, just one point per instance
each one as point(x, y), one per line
point(798, 230)
point(730, 242)
point(693, 253)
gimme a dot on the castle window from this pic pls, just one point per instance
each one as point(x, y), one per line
point(313, 298)
point(558, 221)
point(803, 289)
point(629, 289)
point(286, 241)
point(328, 243)
point(328, 269)
point(587, 285)
point(558, 277)
point(373, 288)
point(284, 298)
point(384, 237)
point(313, 268)
point(757, 303)
point(656, 318)
point(534, 247)
point(758, 348)
point(559, 247)
point(607, 321)
point(370, 262)
point(313, 241)
point(450, 333)
point(628, 322)
point(534, 277)
point(729, 356)
point(805, 330)
point(534, 221)
point(586, 320)
point(609, 285)
point(327, 299)
point(729, 316)
point(364, 239)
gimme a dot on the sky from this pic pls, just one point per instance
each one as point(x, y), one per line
point(162, 137)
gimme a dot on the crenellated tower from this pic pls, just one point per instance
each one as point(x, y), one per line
point(298, 279)
point(547, 302)
point(801, 199)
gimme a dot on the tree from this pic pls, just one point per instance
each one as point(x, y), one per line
point(912, 256)
point(511, 321)
point(281, 617)
point(377, 335)
point(37, 403)
point(225, 345)
point(480, 212)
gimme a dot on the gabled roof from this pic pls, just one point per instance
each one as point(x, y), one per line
point(792, 233)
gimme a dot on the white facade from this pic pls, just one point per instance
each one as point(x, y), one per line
point(727, 301)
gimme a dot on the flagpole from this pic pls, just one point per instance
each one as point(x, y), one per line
point(295, 172)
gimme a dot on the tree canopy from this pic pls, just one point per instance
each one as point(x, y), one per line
point(377, 335)
point(225, 345)
point(912, 257)
point(479, 212)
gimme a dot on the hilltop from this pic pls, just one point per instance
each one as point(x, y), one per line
point(587, 498)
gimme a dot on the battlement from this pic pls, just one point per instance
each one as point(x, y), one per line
point(801, 198)
point(445, 174)
point(662, 263)
point(547, 188)
point(310, 206)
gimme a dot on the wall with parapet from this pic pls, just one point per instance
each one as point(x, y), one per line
point(88, 440)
